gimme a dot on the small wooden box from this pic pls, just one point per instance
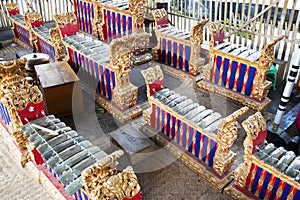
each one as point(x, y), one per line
point(60, 87)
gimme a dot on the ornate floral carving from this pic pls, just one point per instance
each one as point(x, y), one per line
point(253, 125)
point(159, 14)
point(30, 18)
point(98, 20)
point(60, 49)
point(102, 180)
point(227, 134)
point(11, 6)
point(215, 29)
point(196, 62)
point(65, 18)
point(152, 74)
point(15, 94)
point(137, 10)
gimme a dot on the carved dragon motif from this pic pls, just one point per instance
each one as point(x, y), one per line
point(227, 134)
point(102, 180)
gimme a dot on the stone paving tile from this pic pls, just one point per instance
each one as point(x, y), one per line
point(16, 182)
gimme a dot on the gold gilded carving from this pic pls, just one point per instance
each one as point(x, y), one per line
point(125, 94)
point(137, 10)
point(60, 49)
point(11, 6)
point(227, 134)
point(15, 94)
point(214, 29)
point(102, 180)
point(98, 20)
point(159, 14)
point(30, 18)
point(253, 125)
point(196, 40)
point(152, 74)
point(65, 18)
point(261, 86)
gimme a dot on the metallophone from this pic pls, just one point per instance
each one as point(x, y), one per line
point(237, 72)
point(41, 36)
point(19, 29)
point(108, 20)
point(176, 48)
point(268, 172)
point(203, 135)
point(102, 66)
point(69, 166)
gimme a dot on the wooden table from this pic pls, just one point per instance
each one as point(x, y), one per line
point(60, 87)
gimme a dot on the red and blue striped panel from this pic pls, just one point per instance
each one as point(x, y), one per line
point(46, 48)
point(265, 185)
point(116, 25)
point(80, 195)
point(232, 75)
point(85, 15)
point(23, 34)
point(4, 114)
point(175, 54)
point(187, 138)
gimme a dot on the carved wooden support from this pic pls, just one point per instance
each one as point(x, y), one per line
point(227, 134)
point(253, 125)
point(196, 62)
point(137, 10)
point(60, 49)
point(30, 19)
point(98, 20)
point(103, 181)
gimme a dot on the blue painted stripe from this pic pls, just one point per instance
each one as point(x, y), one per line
point(225, 70)
point(241, 78)
point(190, 146)
point(79, 194)
point(187, 58)
point(173, 127)
point(275, 188)
point(83, 14)
point(285, 192)
point(124, 24)
point(297, 195)
point(87, 18)
point(204, 148)
point(183, 144)
point(232, 75)
point(108, 84)
point(250, 80)
point(97, 78)
point(180, 56)
point(113, 79)
point(213, 148)
point(114, 24)
point(158, 118)
point(256, 179)
point(218, 68)
point(178, 132)
point(93, 11)
point(168, 124)
point(162, 121)
point(198, 138)
point(108, 24)
point(102, 81)
point(85, 196)
point(130, 25)
point(78, 12)
point(163, 52)
point(169, 52)
point(174, 54)
point(75, 195)
point(119, 25)
point(265, 185)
